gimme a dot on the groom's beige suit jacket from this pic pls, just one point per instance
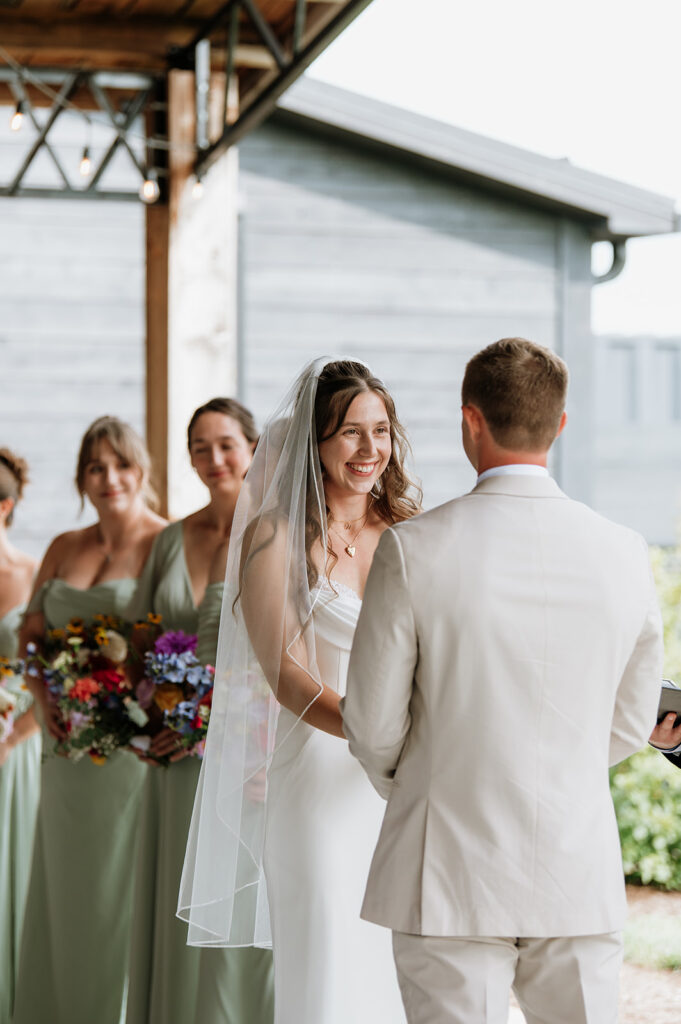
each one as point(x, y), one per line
point(507, 652)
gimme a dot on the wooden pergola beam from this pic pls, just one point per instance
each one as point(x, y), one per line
point(130, 46)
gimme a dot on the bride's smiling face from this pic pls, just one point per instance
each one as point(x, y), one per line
point(357, 453)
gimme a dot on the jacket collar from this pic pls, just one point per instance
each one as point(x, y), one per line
point(520, 486)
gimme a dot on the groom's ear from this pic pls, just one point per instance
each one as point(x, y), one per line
point(474, 421)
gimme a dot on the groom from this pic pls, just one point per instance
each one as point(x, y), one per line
point(508, 651)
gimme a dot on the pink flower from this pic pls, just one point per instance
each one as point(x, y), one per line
point(144, 691)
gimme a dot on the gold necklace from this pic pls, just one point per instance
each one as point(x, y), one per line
point(347, 523)
point(350, 548)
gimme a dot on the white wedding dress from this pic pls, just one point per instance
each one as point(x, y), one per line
point(322, 825)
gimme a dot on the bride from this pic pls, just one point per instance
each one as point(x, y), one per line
point(285, 821)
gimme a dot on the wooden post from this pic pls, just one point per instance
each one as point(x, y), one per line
point(191, 300)
point(157, 348)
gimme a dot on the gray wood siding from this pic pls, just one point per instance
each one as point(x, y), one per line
point(348, 254)
point(638, 434)
point(71, 342)
point(343, 253)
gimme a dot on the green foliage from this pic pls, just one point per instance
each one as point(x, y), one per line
point(653, 940)
point(646, 788)
point(667, 571)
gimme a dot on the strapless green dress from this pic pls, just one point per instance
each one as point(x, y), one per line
point(170, 982)
point(19, 791)
point(76, 937)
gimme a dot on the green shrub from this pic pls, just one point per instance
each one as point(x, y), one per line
point(646, 788)
point(646, 791)
point(653, 940)
point(667, 571)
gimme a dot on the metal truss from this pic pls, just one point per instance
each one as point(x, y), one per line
point(142, 110)
point(290, 58)
point(143, 105)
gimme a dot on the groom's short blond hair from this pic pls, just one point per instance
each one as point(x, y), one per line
point(520, 389)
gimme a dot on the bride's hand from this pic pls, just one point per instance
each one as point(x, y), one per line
point(255, 788)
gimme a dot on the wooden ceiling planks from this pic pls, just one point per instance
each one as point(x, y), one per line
point(139, 35)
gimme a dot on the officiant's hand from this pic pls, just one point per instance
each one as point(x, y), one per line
point(665, 736)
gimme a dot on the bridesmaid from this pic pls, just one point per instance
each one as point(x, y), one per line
point(76, 937)
point(170, 982)
point(20, 753)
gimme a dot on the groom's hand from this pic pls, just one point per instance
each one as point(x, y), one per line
point(665, 735)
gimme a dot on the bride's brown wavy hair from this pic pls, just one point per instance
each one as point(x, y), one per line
point(396, 496)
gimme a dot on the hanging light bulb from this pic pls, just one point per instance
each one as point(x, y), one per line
point(149, 189)
point(85, 162)
point(17, 119)
point(197, 188)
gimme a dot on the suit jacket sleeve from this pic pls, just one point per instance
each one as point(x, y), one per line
point(675, 759)
point(639, 691)
point(376, 716)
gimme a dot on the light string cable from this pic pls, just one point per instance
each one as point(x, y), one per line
point(26, 75)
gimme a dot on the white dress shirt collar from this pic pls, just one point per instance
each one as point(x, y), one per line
point(515, 469)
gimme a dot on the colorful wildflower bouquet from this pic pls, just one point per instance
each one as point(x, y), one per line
point(10, 680)
point(178, 686)
point(89, 672)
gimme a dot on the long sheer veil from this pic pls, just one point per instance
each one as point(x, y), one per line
point(269, 597)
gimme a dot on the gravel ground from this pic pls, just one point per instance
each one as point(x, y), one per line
point(650, 997)
point(646, 996)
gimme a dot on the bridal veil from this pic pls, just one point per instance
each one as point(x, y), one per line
point(269, 598)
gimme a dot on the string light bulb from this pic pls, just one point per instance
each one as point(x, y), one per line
point(85, 162)
point(17, 119)
point(197, 188)
point(149, 189)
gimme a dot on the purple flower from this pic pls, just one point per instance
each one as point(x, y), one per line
point(175, 642)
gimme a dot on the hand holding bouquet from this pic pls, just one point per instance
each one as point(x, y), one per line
point(88, 672)
point(180, 688)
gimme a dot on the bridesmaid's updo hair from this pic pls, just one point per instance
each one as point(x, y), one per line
point(226, 407)
point(13, 478)
point(128, 446)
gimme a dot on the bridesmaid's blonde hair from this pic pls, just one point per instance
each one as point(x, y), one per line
point(126, 443)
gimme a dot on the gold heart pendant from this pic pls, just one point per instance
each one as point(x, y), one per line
point(351, 550)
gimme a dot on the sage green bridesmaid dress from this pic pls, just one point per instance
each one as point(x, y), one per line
point(170, 982)
point(19, 790)
point(76, 938)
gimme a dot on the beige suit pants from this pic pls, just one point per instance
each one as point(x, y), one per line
point(571, 980)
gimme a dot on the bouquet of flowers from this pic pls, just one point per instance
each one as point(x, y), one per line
point(88, 671)
point(9, 671)
point(179, 687)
